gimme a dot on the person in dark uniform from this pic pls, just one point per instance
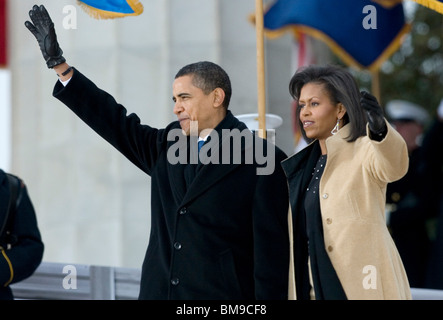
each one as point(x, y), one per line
point(414, 202)
point(432, 141)
point(218, 229)
point(407, 199)
point(21, 245)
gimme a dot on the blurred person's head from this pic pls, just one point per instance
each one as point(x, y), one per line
point(409, 119)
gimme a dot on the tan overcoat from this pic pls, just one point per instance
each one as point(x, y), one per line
point(352, 201)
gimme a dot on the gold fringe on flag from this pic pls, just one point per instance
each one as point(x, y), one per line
point(388, 3)
point(432, 4)
point(135, 5)
point(337, 49)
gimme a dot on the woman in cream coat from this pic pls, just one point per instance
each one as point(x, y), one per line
point(340, 245)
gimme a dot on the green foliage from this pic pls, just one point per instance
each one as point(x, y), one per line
point(415, 71)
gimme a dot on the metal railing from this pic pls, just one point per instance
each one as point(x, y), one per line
point(61, 281)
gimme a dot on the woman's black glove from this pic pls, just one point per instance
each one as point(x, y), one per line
point(42, 28)
point(376, 120)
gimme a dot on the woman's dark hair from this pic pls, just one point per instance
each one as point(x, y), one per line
point(208, 76)
point(341, 86)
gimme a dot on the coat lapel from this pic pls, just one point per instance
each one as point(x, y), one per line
point(179, 175)
point(209, 174)
point(302, 163)
point(178, 183)
point(298, 170)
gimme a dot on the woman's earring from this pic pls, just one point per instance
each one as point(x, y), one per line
point(336, 128)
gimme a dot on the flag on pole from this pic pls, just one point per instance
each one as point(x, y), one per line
point(303, 55)
point(363, 33)
point(436, 5)
point(3, 35)
point(109, 9)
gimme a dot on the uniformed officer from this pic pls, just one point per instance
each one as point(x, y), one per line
point(406, 198)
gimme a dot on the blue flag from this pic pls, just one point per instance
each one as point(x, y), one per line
point(436, 5)
point(109, 9)
point(363, 33)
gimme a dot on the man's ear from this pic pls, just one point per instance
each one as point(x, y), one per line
point(219, 97)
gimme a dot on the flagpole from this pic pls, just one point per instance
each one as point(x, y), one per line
point(259, 26)
point(376, 85)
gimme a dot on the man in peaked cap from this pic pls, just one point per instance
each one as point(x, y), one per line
point(409, 119)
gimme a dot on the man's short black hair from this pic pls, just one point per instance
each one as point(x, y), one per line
point(208, 76)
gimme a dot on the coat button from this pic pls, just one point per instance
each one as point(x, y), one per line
point(330, 248)
point(183, 210)
point(328, 220)
point(395, 197)
point(175, 281)
point(177, 245)
point(325, 196)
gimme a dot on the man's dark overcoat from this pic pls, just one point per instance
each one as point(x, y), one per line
point(218, 231)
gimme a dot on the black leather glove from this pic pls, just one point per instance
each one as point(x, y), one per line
point(42, 28)
point(374, 112)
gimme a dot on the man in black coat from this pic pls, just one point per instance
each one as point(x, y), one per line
point(21, 246)
point(218, 217)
